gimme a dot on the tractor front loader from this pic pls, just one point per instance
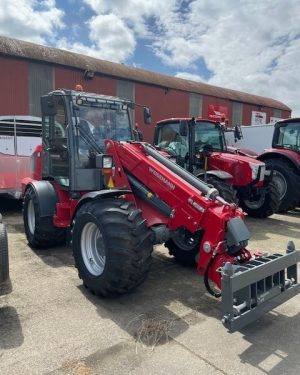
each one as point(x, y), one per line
point(117, 198)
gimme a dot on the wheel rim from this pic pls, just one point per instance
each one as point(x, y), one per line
point(184, 240)
point(280, 182)
point(254, 205)
point(93, 249)
point(31, 217)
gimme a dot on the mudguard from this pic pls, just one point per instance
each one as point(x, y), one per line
point(46, 196)
point(222, 175)
point(258, 286)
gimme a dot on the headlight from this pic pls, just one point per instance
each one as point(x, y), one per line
point(254, 168)
point(107, 161)
point(262, 172)
point(104, 161)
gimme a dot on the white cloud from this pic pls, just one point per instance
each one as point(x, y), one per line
point(135, 13)
point(105, 33)
point(30, 20)
point(105, 40)
point(248, 45)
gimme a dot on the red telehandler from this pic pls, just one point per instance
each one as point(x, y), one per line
point(114, 198)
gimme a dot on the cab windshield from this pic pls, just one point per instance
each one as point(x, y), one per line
point(208, 134)
point(288, 136)
point(98, 123)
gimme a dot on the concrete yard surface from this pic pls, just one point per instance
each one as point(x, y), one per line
point(50, 324)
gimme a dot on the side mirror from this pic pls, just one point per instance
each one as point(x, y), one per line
point(138, 135)
point(147, 115)
point(237, 133)
point(48, 105)
point(183, 128)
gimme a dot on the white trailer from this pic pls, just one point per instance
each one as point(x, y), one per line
point(19, 135)
point(256, 138)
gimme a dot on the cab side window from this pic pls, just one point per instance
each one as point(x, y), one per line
point(60, 122)
point(58, 150)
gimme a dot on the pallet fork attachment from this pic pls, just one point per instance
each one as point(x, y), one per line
point(252, 289)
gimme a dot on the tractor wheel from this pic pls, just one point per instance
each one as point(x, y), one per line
point(225, 189)
point(288, 183)
point(112, 246)
point(265, 205)
point(4, 263)
point(184, 246)
point(40, 231)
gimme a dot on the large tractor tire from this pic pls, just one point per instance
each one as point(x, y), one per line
point(225, 189)
point(40, 231)
point(112, 246)
point(4, 263)
point(265, 205)
point(184, 247)
point(288, 183)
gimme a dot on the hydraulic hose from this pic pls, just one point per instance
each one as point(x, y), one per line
point(206, 281)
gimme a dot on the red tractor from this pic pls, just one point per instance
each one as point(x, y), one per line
point(284, 158)
point(199, 146)
point(115, 198)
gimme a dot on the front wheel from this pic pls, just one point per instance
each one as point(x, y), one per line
point(185, 247)
point(265, 203)
point(225, 189)
point(112, 246)
point(40, 231)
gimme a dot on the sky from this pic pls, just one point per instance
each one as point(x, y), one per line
point(247, 45)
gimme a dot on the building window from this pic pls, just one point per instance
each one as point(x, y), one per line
point(40, 83)
point(237, 113)
point(277, 113)
point(125, 90)
point(195, 105)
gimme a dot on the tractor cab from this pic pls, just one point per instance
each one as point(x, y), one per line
point(190, 140)
point(75, 127)
point(287, 135)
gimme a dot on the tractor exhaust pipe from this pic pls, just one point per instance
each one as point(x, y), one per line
point(205, 189)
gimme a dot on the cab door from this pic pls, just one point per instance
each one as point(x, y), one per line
point(55, 144)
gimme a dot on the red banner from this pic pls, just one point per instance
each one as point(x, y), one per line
point(216, 112)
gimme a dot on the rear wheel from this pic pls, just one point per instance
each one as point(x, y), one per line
point(111, 246)
point(40, 231)
point(287, 182)
point(264, 204)
point(4, 263)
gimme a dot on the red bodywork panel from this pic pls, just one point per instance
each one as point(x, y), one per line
point(242, 151)
point(290, 154)
point(237, 165)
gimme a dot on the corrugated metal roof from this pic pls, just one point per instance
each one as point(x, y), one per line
point(26, 50)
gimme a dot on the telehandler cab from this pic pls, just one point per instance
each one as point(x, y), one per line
point(116, 198)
